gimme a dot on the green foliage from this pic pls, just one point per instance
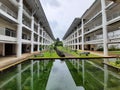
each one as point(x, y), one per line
point(100, 48)
point(112, 48)
point(75, 53)
point(77, 76)
point(44, 75)
point(58, 42)
point(46, 54)
point(114, 53)
point(51, 49)
point(117, 62)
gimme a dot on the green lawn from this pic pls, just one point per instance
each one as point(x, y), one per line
point(46, 54)
point(114, 52)
point(114, 64)
point(76, 52)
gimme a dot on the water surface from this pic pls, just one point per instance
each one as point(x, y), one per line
point(60, 75)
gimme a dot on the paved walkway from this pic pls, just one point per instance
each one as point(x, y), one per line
point(97, 53)
point(8, 61)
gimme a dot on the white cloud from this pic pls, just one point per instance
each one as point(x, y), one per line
point(61, 13)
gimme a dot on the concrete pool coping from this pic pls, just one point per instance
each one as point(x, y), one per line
point(6, 62)
point(63, 58)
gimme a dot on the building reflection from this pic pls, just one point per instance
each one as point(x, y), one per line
point(96, 76)
point(24, 76)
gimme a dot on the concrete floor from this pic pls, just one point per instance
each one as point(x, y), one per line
point(8, 61)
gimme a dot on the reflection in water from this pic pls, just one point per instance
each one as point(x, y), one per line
point(94, 76)
point(60, 78)
point(32, 75)
point(38, 75)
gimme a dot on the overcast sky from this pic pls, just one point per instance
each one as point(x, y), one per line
point(61, 13)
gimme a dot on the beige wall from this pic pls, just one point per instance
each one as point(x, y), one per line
point(1, 49)
point(15, 49)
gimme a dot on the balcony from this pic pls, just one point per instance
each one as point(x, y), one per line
point(26, 37)
point(113, 15)
point(114, 36)
point(7, 32)
point(8, 10)
point(95, 41)
point(26, 41)
point(7, 37)
point(93, 27)
point(27, 23)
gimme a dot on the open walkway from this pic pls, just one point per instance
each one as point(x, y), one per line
point(8, 61)
point(97, 53)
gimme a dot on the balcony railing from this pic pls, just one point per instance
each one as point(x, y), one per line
point(93, 15)
point(93, 26)
point(7, 32)
point(2, 31)
point(114, 34)
point(7, 10)
point(113, 16)
point(26, 23)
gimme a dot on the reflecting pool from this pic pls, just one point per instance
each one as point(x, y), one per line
point(74, 74)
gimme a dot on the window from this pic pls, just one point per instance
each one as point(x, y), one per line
point(9, 32)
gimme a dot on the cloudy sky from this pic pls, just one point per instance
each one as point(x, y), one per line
point(61, 13)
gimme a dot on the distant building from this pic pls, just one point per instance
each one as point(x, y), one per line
point(23, 27)
point(99, 26)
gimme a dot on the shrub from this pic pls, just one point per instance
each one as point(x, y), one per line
point(117, 62)
point(100, 48)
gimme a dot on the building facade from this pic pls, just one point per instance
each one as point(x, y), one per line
point(23, 27)
point(98, 27)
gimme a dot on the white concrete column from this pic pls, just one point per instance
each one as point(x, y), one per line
point(78, 65)
point(77, 38)
point(106, 76)
point(72, 45)
point(82, 35)
point(19, 77)
point(32, 63)
point(38, 49)
point(32, 34)
point(38, 69)
point(42, 39)
point(74, 41)
point(19, 29)
point(104, 25)
point(83, 70)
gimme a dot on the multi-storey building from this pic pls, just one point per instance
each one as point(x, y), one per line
point(23, 27)
point(98, 26)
